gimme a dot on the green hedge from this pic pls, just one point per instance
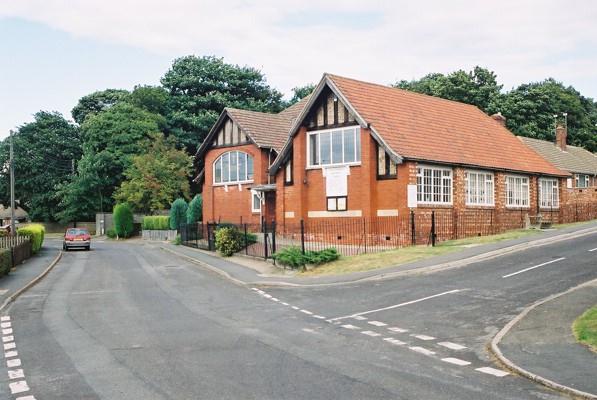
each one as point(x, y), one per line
point(36, 233)
point(293, 257)
point(178, 213)
point(156, 223)
point(111, 233)
point(5, 261)
point(123, 220)
point(195, 210)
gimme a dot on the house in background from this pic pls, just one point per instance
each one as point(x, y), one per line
point(581, 163)
point(234, 161)
point(6, 215)
point(360, 149)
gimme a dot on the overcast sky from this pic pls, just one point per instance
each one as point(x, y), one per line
point(55, 51)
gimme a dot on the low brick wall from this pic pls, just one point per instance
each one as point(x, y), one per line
point(164, 236)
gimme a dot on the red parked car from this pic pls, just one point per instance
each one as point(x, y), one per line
point(77, 237)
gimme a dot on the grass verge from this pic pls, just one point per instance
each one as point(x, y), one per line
point(585, 328)
point(367, 262)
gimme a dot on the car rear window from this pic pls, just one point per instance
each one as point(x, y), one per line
point(77, 231)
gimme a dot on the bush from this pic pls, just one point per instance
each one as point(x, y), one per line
point(293, 257)
point(123, 220)
point(5, 261)
point(195, 210)
point(178, 213)
point(177, 240)
point(36, 233)
point(3, 232)
point(111, 233)
point(228, 240)
point(156, 223)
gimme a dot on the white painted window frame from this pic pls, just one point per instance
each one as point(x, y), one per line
point(577, 181)
point(357, 147)
point(468, 197)
point(528, 191)
point(236, 182)
point(254, 194)
point(553, 197)
point(423, 167)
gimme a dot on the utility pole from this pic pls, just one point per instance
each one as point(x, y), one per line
point(13, 231)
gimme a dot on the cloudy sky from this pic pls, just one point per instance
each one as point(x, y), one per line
point(55, 51)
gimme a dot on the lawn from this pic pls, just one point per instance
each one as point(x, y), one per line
point(366, 262)
point(585, 328)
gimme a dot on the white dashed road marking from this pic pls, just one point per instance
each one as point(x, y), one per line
point(295, 308)
point(352, 327)
point(5, 325)
point(398, 305)
point(536, 266)
point(396, 329)
point(6, 339)
point(423, 337)
point(7, 331)
point(26, 398)
point(377, 323)
point(5, 318)
point(492, 371)
point(595, 249)
point(13, 363)
point(452, 346)
point(307, 312)
point(370, 333)
point(16, 374)
point(422, 350)
point(456, 361)
point(319, 316)
point(394, 341)
point(286, 304)
point(18, 387)
point(360, 318)
point(10, 354)
point(9, 346)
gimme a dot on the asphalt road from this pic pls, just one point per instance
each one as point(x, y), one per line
point(129, 321)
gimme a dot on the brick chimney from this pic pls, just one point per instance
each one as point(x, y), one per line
point(499, 118)
point(561, 135)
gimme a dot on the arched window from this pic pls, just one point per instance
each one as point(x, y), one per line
point(233, 167)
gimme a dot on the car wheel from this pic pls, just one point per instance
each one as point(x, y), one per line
point(88, 248)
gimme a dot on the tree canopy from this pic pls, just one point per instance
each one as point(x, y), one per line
point(156, 176)
point(300, 92)
point(45, 151)
point(530, 109)
point(200, 88)
point(96, 102)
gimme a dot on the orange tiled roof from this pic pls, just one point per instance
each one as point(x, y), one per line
point(422, 127)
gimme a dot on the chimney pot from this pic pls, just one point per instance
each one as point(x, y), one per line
point(561, 136)
point(499, 118)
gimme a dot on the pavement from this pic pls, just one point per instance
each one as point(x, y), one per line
point(128, 320)
point(543, 344)
point(244, 273)
point(28, 270)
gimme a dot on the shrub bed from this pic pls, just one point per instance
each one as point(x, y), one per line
point(294, 258)
point(36, 233)
point(5, 261)
point(156, 223)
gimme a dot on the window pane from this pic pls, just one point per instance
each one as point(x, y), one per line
point(234, 166)
point(358, 143)
point(349, 149)
point(336, 147)
point(381, 161)
point(226, 167)
point(332, 204)
point(288, 171)
point(392, 167)
point(256, 202)
point(242, 166)
point(325, 148)
point(313, 151)
point(342, 204)
point(218, 171)
point(249, 167)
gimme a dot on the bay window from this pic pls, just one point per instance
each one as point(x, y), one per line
point(478, 188)
point(549, 196)
point(517, 191)
point(233, 167)
point(334, 147)
point(434, 185)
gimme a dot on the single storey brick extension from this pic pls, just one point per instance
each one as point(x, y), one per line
point(358, 149)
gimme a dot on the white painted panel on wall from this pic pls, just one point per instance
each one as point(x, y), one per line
point(412, 196)
point(336, 180)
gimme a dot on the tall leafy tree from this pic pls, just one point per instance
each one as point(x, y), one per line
point(45, 151)
point(478, 87)
point(156, 176)
point(97, 102)
point(200, 88)
point(301, 92)
point(110, 139)
point(150, 98)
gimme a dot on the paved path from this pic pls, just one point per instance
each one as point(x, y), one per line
point(28, 270)
point(130, 321)
point(543, 344)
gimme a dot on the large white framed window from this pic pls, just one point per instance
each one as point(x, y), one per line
point(549, 194)
point(479, 188)
point(582, 181)
point(334, 147)
point(517, 191)
point(434, 185)
point(233, 167)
